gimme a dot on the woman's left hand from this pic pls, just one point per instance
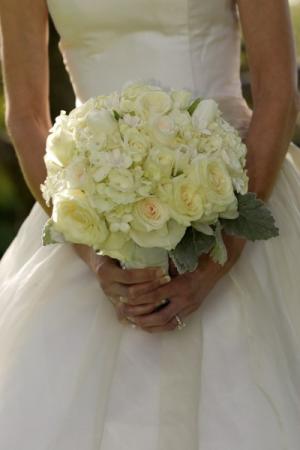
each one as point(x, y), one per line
point(185, 293)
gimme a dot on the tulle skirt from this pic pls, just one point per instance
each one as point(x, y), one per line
point(73, 378)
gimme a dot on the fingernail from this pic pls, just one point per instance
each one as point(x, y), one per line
point(123, 299)
point(132, 319)
point(165, 279)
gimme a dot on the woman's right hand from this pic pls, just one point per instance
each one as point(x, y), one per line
point(122, 285)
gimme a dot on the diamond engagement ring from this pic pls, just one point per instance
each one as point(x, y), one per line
point(180, 323)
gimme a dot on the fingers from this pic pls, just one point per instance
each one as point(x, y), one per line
point(139, 310)
point(137, 291)
point(120, 316)
point(186, 293)
point(167, 289)
point(127, 314)
point(132, 293)
point(115, 290)
point(155, 321)
point(172, 324)
point(128, 283)
point(158, 318)
point(109, 270)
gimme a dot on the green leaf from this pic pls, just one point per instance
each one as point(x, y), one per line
point(50, 235)
point(219, 251)
point(193, 244)
point(255, 221)
point(116, 115)
point(203, 228)
point(194, 105)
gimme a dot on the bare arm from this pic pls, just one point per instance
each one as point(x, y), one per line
point(24, 35)
point(269, 42)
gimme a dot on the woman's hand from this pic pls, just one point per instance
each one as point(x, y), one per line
point(121, 285)
point(185, 292)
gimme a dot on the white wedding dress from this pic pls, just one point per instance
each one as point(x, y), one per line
point(71, 376)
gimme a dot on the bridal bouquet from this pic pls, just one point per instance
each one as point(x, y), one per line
point(147, 174)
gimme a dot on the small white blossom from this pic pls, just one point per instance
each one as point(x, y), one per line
point(132, 121)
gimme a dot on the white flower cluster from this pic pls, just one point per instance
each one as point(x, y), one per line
point(138, 167)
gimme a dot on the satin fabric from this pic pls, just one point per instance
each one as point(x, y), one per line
point(71, 376)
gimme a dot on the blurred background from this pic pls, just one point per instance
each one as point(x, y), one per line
point(15, 198)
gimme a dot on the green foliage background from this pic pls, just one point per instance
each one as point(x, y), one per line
point(15, 199)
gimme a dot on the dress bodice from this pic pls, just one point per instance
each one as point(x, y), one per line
point(193, 44)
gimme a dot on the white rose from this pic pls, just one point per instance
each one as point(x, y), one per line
point(60, 146)
point(159, 163)
point(182, 119)
point(205, 113)
point(130, 92)
point(149, 214)
point(181, 99)
point(152, 103)
point(231, 212)
point(76, 220)
point(101, 121)
point(166, 237)
point(187, 205)
point(185, 199)
point(80, 112)
point(216, 184)
point(163, 129)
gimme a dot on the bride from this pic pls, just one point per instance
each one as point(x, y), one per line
point(74, 373)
